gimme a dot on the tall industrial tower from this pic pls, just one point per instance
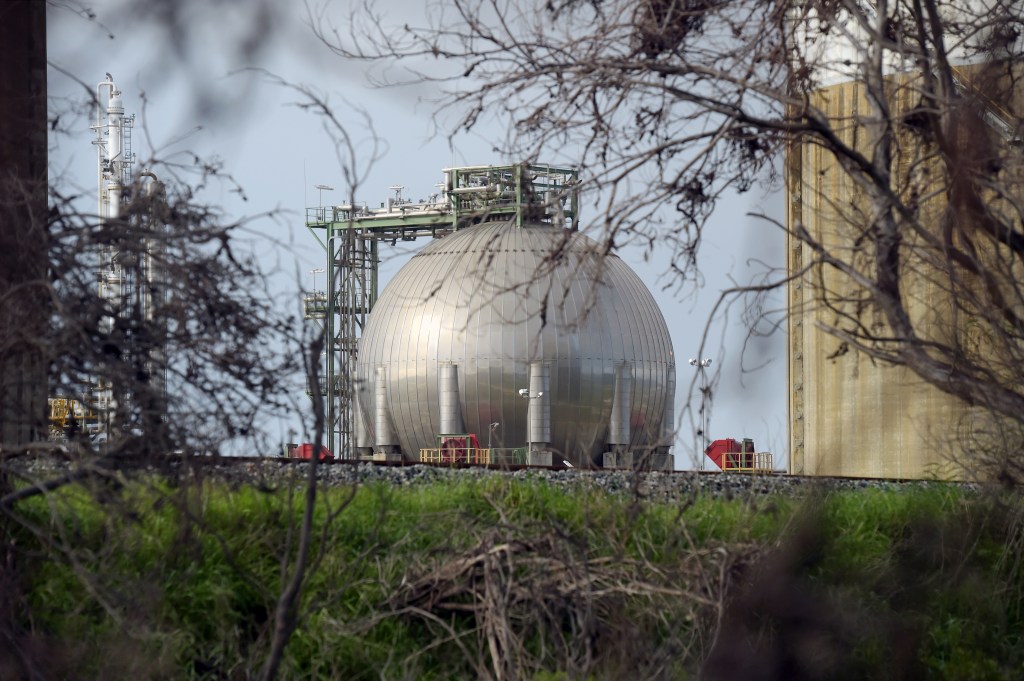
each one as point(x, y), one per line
point(131, 286)
point(24, 299)
point(848, 413)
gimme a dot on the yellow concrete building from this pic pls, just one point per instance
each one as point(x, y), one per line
point(850, 415)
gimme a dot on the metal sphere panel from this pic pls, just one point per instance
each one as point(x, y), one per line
point(493, 298)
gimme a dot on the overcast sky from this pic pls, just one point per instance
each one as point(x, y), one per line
point(194, 91)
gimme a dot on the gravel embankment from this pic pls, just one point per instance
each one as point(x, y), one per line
point(657, 485)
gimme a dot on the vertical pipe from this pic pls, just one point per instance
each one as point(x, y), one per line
point(364, 441)
point(115, 152)
point(668, 420)
point(102, 146)
point(110, 120)
point(385, 432)
point(618, 425)
point(539, 410)
point(152, 288)
point(152, 294)
point(328, 383)
point(115, 192)
point(574, 201)
point(518, 173)
point(448, 399)
point(373, 274)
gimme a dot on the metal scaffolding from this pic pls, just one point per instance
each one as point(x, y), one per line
point(350, 235)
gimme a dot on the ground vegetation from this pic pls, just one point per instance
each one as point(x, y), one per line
point(501, 578)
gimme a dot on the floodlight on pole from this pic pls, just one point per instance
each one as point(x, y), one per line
point(314, 272)
point(322, 188)
point(490, 430)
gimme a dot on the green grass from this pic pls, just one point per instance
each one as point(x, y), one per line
point(154, 581)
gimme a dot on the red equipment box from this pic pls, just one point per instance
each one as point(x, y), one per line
point(729, 453)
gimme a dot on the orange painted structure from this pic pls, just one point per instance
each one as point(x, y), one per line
point(305, 451)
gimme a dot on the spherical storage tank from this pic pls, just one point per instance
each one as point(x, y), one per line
point(533, 328)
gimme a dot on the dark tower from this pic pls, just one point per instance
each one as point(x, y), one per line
point(23, 210)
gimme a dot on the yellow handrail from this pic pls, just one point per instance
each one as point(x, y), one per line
point(760, 462)
point(453, 455)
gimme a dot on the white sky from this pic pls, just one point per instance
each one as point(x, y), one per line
point(278, 153)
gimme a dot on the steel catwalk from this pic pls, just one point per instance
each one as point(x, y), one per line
point(490, 301)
